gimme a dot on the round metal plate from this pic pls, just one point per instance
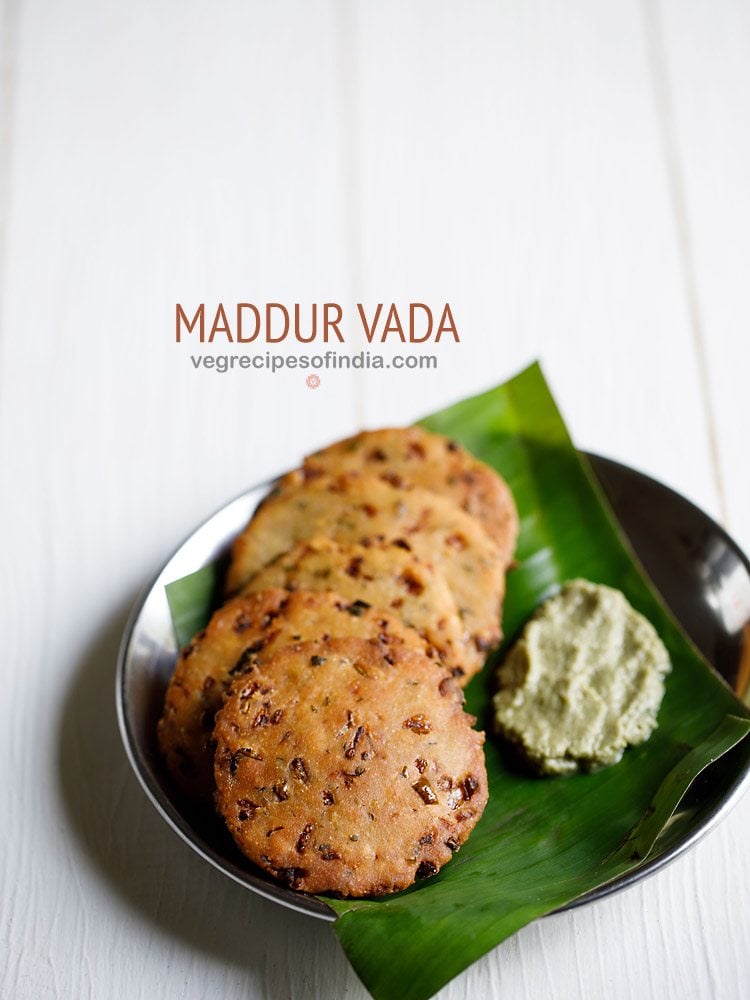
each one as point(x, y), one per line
point(700, 572)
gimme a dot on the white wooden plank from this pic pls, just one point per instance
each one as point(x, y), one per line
point(706, 92)
point(157, 155)
point(708, 88)
point(512, 164)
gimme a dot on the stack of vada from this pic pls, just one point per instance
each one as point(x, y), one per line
point(321, 709)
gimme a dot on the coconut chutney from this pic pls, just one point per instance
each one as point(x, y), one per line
point(584, 680)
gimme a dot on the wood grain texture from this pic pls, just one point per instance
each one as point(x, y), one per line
point(705, 52)
point(525, 175)
point(512, 159)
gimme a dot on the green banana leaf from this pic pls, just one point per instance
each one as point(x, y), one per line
point(541, 843)
point(191, 601)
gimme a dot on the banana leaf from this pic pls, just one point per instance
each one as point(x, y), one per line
point(541, 843)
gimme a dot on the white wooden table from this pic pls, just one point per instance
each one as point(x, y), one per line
point(572, 177)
